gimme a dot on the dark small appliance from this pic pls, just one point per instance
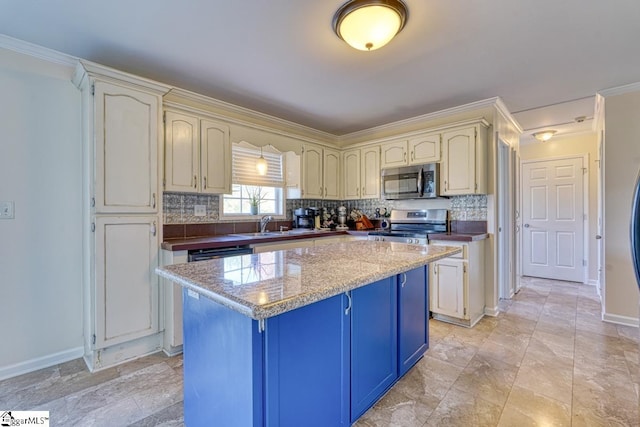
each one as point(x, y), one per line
point(304, 218)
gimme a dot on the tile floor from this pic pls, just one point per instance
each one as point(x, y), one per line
point(547, 360)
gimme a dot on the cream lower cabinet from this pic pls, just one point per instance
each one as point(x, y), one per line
point(457, 284)
point(464, 161)
point(125, 291)
point(197, 154)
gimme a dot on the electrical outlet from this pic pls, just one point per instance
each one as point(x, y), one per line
point(200, 210)
point(6, 210)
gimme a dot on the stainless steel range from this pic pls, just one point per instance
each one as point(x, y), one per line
point(412, 226)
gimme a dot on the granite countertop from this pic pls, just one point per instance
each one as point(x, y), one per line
point(270, 283)
point(459, 237)
point(241, 239)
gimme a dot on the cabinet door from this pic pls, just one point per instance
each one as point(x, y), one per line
point(424, 149)
point(448, 288)
point(459, 162)
point(307, 365)
point(374, 343)
point(312, 185)
point(331, 174)
point(370, 173)
point(126, 288)
point(413, 327)
point(182, 152)
point(351, 167)
point(393, 154)
point(126, 149)
point(215, 154)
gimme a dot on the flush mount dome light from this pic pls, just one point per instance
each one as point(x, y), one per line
point(545, 135)
point(369, 24)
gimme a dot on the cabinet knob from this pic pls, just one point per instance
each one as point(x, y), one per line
point(195, 181)
point(153, 200)
point(205, 182)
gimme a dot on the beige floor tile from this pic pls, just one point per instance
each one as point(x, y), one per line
point(489, 378)
point(397, 409)
point(511, 355)
point(459, 408)
point(548, 378)
point(528, 409)
point(453, 351)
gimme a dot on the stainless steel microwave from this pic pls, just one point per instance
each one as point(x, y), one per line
point(411, 182)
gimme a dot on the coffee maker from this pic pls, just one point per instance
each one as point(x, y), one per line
point(304, 218)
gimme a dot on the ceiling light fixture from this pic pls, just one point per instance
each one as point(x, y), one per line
point(544, 135)
point(369, 24)
point(261, 164)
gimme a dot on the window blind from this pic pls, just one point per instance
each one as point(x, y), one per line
point(244, 168)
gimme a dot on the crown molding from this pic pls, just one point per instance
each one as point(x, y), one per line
point(246, 116)
point(414, 122)
point(502, 109)
point(620, 90)
point(85, 69)
point(36, 51)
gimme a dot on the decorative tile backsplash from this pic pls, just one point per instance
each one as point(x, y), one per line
point(179, 207)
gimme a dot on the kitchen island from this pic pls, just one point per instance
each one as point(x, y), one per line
point(310, 336)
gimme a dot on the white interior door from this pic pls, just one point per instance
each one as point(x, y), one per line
point(553, 218)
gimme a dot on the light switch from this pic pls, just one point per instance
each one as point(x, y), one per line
point(6, 210)
point(199, 210)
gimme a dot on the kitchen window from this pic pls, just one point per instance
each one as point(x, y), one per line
point(267, 190)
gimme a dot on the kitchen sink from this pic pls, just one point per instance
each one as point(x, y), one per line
point(265, 234)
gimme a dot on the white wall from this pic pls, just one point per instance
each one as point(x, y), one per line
point(574, 145)
point(621, 165)
point(41, 249)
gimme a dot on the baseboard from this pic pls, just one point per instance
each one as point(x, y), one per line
point(592, 282)
point(621, 320)
point(491, 311)
point(40, 363)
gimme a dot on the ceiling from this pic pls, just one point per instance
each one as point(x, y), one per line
point(282, 58)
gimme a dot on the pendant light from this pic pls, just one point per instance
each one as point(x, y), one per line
point(261, 164)
point(369, 24)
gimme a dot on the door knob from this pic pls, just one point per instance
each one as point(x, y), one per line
point(598, 237)
point(526, 226)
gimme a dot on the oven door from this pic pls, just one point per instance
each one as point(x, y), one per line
point(403, 183)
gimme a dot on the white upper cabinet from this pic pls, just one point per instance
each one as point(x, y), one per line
point(464, 160)
point(331, 176)
point(370, 172)
point(215, 157)
point(424, 149)
point(393, 154)
point(197, 154)
point(351, 167)
point(413, 151)
point(361, 173)
point(126, 149)
point(320, 173)
point(182, 151)
point(312, 185)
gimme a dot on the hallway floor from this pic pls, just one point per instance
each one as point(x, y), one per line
point(546, 360)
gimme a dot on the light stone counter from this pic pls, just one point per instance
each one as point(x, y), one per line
point(270, 283)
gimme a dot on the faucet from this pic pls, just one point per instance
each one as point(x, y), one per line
point(263, 223)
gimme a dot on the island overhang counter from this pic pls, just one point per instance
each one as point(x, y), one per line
point(309, 336)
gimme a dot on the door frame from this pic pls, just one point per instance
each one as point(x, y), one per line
point(506, 226)
point(585, 205)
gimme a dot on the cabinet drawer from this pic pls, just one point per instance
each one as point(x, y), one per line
point(460, 255)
